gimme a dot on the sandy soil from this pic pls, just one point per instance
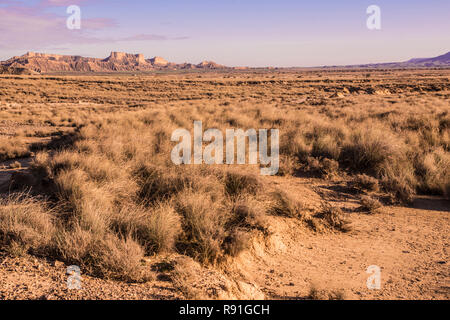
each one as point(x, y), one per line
point(32, 278)
point(410, 245)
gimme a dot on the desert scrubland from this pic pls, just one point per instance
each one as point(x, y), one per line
point(86, 179)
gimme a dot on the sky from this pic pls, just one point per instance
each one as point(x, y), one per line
point(255, 33)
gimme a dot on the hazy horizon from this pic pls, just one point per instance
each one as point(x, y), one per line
point(256, 33)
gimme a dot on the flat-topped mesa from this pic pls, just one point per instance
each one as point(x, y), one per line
point(42, 55)
point(126, 58)
point(140, 58)
point(116, 62)
point(159, 61)
point(209, 65)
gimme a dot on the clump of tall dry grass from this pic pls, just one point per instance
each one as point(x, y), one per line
point(157, 229)
point(285, 205)
point(364, 182)
point(434, 169)
point(26, 225)
point(334, 218)
point(370, 204)
point(203, 225)
point(238, 183)
point(248, 213)
point(404, 155)
point(11, 148)
point(157, 183)
point(105, 256)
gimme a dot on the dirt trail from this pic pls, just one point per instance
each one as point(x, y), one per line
point(410, 245)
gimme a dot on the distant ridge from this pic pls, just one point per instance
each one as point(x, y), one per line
point(443, 59)
point(117, 61)
point(435, 62)
point(35, 63)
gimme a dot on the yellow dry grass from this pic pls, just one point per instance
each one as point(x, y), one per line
point(114, 196)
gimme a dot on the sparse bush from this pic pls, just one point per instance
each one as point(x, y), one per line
point(11, 148)
point(399, 180)
point(83, 202)
point(237, 183)
point(184, 278)
point(236, 242)
point(25, 225)
point(285, 205)
point(322, 167)
point(156, 229)
point(159, 183)
point(370, 204)
point(288, 166)
point(368, 150)
point(316, 293)
point(118, 258)
point(247, 213)
point(104, 256)
point(434, 172)
point(365, 182)
point(204, 227)
point(293, 144)
point(333, 217)
point(326, 146)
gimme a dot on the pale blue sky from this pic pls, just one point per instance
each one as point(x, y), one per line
point(231, 32)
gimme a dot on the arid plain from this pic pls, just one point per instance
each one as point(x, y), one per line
point(86, 179)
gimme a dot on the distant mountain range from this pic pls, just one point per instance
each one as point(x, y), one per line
point(32, 63)
point(36, 63)
point(436, 62)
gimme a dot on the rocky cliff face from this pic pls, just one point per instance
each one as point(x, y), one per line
point(16, 71)
point(117, 61)
point(209, 65)
point(158, 61)
point(127, 59)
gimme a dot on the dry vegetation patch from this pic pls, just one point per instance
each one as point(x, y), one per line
point(114, 197)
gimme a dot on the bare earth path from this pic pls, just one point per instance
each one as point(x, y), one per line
point(410, 245)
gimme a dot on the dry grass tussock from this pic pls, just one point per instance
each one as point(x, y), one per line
point(11, 148)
